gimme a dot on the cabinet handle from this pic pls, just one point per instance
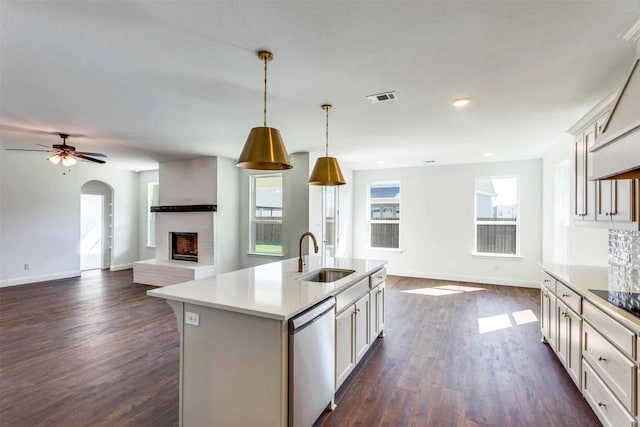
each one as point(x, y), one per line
point(607, 213)
point(565, 296)
point(602, 404)
point(602, 359)
point(357, 311)
point(547, 280)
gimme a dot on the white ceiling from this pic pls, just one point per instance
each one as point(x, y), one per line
point(154, 81)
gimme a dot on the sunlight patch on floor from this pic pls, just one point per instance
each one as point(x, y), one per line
point(524, 316)
point(493, 323)
point(443, 290)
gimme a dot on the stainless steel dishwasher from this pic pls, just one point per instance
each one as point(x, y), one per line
point(311, 363)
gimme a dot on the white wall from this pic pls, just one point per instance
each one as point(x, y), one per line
point(295, 219)
point(40, 216)
point(144, 178)
point(227, 219)
point(437, 223)
point(183, 183)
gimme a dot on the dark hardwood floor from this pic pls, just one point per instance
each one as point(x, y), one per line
point(97, 351)
point(87, 351)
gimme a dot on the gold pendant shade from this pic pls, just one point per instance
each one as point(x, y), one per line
point(327, 170)
point(264, 148)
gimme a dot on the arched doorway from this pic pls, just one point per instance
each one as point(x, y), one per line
point(96, 225)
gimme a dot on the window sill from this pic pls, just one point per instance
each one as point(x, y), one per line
point(490, 255)
point(265, 255)
point(386, 249)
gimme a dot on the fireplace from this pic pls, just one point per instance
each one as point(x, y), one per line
point(184, 246)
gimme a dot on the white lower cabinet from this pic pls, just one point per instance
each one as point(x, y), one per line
point(376, 312)
point(569, 345)
point(608, 409)
point(359, 319)
point(599, 352)
point(344, 345)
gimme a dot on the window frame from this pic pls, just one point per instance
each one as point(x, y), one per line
point(253, 220)
point(516, 222)
point(151, 216)
point(383, 221)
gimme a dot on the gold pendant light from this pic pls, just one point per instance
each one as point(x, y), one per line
point(327, 171)
point(264, 149)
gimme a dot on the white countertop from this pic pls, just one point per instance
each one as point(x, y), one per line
point(270, 290)
point(582, 278)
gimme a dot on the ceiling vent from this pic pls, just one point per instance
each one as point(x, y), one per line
point(382, 97)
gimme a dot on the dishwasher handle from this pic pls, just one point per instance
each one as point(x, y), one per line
point(311, 315)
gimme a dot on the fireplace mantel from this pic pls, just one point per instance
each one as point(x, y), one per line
point(185, 208)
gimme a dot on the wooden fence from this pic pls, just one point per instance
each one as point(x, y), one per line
point(496, 238)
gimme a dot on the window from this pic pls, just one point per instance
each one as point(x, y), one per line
point(384, 215)
point(266, 214)
point(153, 199)
point(330, 220)
point(497, 216)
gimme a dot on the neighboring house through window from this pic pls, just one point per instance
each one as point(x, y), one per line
point(497, 216)
point(266, 214)
point(153, 199)
point(384, 215)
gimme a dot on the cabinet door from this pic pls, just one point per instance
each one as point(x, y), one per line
point(615, 200)
point(552, 338)
point(590, 186)
point(361, 327)
point(345, 360)
point(373, 332)
point(380, 309)
point(569, 346)
point(580, 180)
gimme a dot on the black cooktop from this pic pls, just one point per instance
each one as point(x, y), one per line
point(628, 301)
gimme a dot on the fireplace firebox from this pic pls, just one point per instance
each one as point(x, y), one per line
point(184, 246)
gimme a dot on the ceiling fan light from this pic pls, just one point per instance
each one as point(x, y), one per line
point(55, 159)
point(68, 161)
point(264, 150)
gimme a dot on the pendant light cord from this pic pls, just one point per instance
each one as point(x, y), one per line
point(327, 134)
point(265, 92)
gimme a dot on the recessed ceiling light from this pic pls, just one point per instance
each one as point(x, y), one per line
point(381, 162)
point(488, 154)
point(461, 102)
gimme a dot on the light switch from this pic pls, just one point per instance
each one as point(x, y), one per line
point(192, 318)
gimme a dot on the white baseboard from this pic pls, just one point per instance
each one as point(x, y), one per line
point(41, 278)
point(121, 267)
point(471, 279)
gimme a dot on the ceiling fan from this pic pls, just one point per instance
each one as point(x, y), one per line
point(64, 153)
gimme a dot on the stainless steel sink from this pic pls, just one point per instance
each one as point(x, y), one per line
point(326, 275)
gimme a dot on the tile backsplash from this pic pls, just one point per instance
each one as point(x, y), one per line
point(624, 260)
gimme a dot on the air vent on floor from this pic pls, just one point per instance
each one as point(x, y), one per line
point(382, 97)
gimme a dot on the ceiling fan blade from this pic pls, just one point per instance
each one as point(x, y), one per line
point(26, 149)
point(45, 146)
point(90, 159)
point(86, 153)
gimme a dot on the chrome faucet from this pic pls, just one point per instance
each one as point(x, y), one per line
point(315, 248)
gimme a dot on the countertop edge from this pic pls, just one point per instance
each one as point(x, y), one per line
point(615, 312)
point(157, 293)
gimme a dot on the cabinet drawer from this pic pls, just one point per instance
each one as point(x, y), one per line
point(605, 405)
point(618, 334)
point(572, 299)
point(346, 298)
point(549, 282)
point(615, 369)
point(378, 277)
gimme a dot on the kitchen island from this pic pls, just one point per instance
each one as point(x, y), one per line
point(234, 337)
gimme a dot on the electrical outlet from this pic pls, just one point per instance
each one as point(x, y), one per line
point(27, 267)
point(192, 318)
